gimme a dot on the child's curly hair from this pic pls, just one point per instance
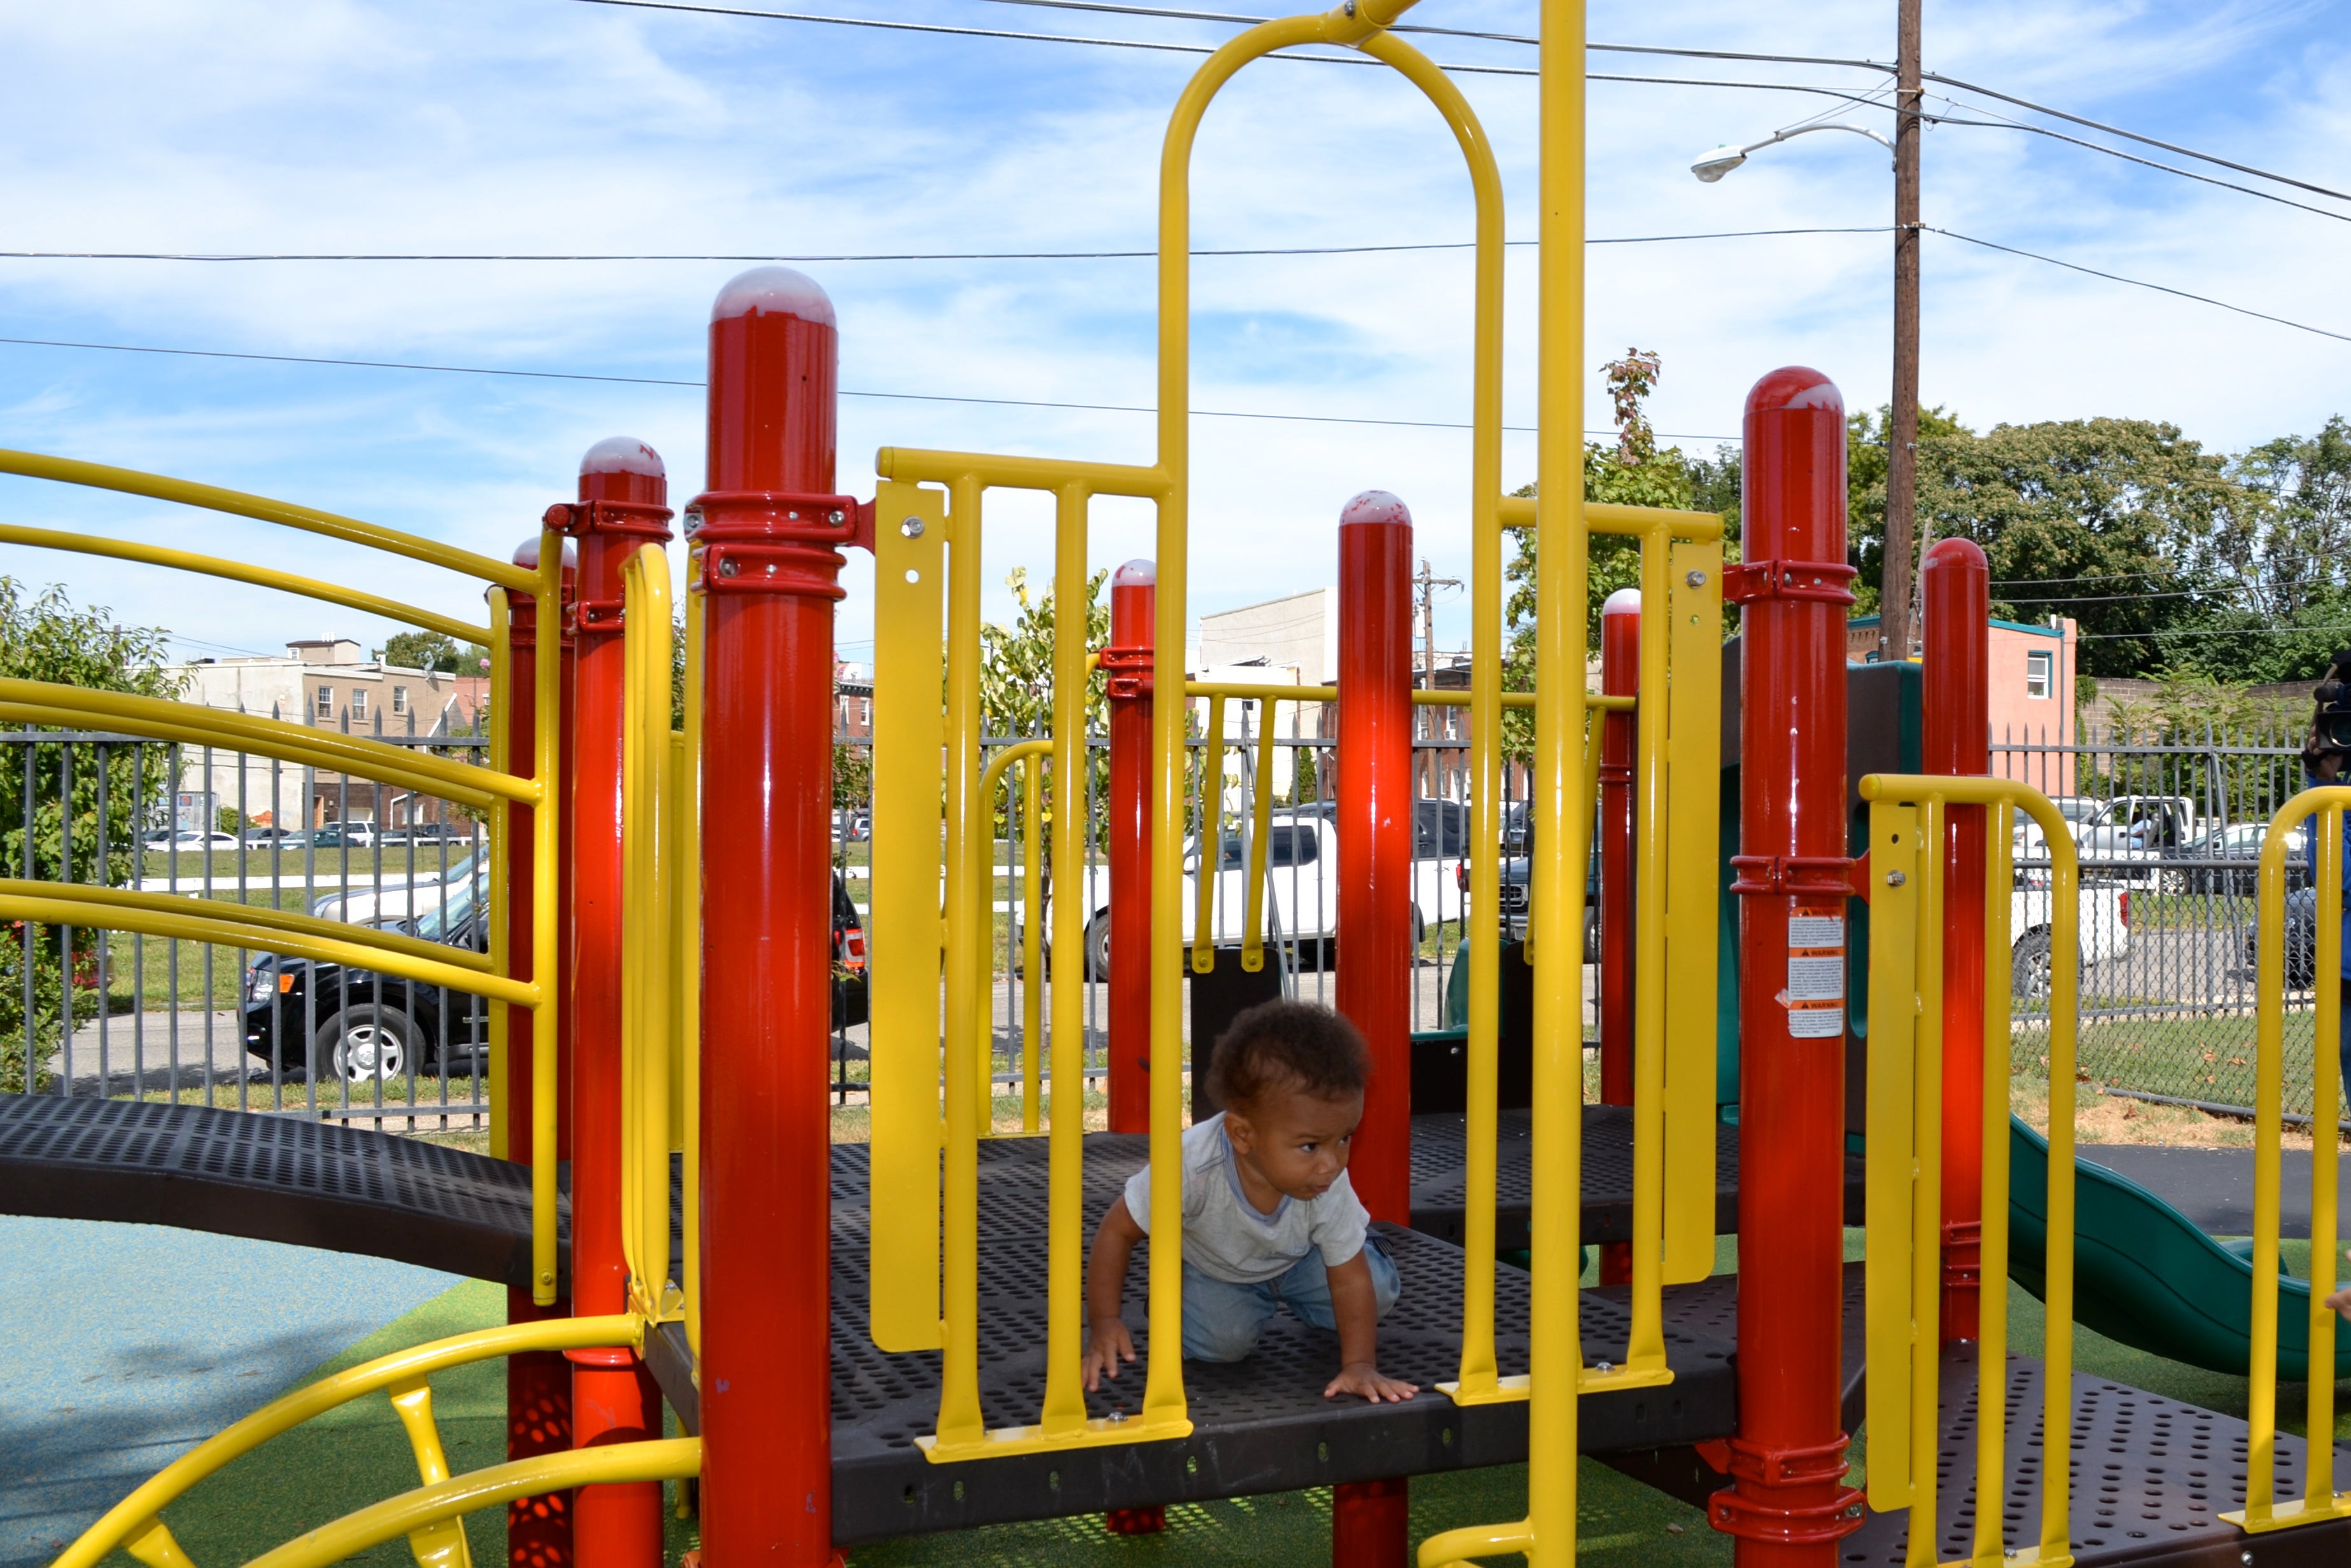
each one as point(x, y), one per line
point(1284, 1044)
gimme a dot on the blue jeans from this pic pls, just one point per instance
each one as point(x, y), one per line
point(1222, 1320)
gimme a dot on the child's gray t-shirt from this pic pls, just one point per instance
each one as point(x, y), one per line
point(1227, 1237)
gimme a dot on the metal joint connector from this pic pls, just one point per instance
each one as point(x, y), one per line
point(1769, 875)
point(772, 541)
point(1822, 582)
point(630, 520)
point(1128, 672)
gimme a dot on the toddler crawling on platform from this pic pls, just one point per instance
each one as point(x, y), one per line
point(1270, 1219)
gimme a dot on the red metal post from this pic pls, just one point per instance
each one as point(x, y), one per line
point(538, 1383)
point(1620, 676)
point(1788, 1505)
point(1375, 830)
point(1133, 592)
point(623, 492)
point(765, 542)
point(1957, 739)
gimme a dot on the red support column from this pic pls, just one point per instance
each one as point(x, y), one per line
point(1787, 1504)
point(622, 505)
point(765, 538)
point(538, 1383)
point(1956, 739)
point(1375, 830)
point(1134, 591)
point(1620, 676)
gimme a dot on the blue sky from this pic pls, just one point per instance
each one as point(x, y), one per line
point(555, 126)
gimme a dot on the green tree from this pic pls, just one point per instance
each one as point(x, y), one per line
point(54, 835)
point(1866, 440)
point(1016, 686)
point(434, 651)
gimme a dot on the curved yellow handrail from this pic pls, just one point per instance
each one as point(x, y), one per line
point(42, 702)
point(127, 1517)
point(238, 571)
point(666, 1458)
point(262, 508)
point(46, 909)
point(1456, 1547)
point(252, 915)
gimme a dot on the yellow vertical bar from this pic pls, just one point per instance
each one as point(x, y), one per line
point(687, 930)
point(1888, 1205)
point(1065, 1400)
point(2065, 1010)
point(546, 831)
point(2269, 994)
point(1927, 1192)
point(1212, 839)
point(1560, 810)
point(501, 823)
point(679, 892)
point(631, 958)
point(648, 626)
point(1260, 824)
point(968, 942)
point(1032, 937)
point(1644, 1348)
point(1693, 825)
point(2326, 991)
point(1991, 1329)
point(904, 924)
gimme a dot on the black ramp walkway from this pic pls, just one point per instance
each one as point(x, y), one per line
point(1260, 1425)
point(268, 1177)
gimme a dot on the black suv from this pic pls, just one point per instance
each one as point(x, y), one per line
point(361, 1025)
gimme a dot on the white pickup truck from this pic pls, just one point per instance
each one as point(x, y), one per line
point(2104, 929)
point(2127, 836)
point(1301, 876)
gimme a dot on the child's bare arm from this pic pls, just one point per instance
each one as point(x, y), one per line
point(1107, 1341)
point(1356, 1308)
point(2341, 1299)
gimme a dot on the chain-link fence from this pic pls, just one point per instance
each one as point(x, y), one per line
point(2169, 828)
point(93, 1012)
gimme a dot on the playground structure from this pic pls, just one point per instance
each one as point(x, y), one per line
point(658, 978)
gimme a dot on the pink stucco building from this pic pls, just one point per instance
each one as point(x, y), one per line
point(2031, 700)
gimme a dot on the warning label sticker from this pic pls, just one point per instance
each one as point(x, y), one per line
point(1815, 994)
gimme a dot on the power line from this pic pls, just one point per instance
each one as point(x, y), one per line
point(2141, 283)
point(1449, 33)
point(2130, 597)
point(2092, 576)
point(2135, 136)
point(895, 397)
point(886, 256)
point(2219, 632)
point(1157, 47)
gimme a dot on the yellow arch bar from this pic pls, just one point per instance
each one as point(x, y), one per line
point(42, 702)
point(254, 915)
point(238, 571)
point(227, 932)
point(134, 1514)
point(262, 508)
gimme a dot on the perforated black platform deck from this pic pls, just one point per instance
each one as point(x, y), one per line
point(1260, 1425)
point(272, 1178)
point(2151, 1478)
point(1440, 1160)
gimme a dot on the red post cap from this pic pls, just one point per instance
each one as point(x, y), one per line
point(1375, 506)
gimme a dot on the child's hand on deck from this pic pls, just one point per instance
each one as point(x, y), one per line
point(2341, 1299)
point(1107, 1344)
point(1365, 1378)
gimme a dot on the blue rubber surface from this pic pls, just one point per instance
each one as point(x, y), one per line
point(122, 1346)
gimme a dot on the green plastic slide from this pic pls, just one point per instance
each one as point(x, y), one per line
point(2145, 1274)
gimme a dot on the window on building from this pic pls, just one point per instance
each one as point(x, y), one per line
point(326, 702)
point(400, 699)
point(865, 710)
point(358, 701)
point(2040, 673)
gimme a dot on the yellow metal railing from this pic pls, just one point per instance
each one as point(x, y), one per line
point(2323, 808)
point(1212, 829)
point(492, 789)
point(651, 861)
point(1029, 903)
point(1903, 1264)
point(135, 1524)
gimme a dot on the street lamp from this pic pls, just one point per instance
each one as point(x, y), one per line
point(1713, 165)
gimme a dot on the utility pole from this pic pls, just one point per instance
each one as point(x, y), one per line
point(1898, 574)
point(1427, 585)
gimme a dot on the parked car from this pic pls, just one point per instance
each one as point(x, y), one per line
point(2127, 836)
point(850, 994)
point(2301, 941)
point(398, 897)
point(305, 1015)
point(2226, 859)
point(335, 836)
point(263, 838)
point(188, 840)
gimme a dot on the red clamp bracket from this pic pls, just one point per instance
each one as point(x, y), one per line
point(1129, 670)
point(771, 541)
point(1822, 582)
point(606, 616)
point(1780, 875)
point(633, 519)
point(1736, 1512)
